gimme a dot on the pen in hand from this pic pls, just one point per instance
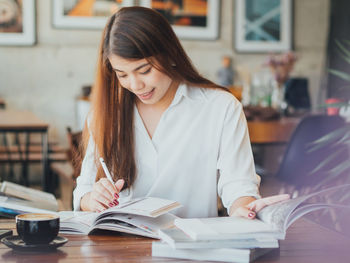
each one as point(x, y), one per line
point(118, 185)
point(104, 167)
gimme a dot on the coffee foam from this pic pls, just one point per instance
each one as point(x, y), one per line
point(36, 217)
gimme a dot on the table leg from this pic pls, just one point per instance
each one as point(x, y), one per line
point(45, 162)
point(11, 173)
point(24, 157)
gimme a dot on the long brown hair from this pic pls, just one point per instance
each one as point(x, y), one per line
point(131, 33)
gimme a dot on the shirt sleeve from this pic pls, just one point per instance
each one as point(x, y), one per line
point(237, 177)
point(87, 175)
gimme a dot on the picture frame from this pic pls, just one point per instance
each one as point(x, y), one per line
point(17, 26)
point(193, 22)
point(66, 14)
point(263, 25)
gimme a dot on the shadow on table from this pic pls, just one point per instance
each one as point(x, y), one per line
point(31, 256)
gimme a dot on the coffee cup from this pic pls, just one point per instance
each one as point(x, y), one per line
point(37, 228)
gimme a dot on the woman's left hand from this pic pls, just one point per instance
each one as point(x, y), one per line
point(249, 211)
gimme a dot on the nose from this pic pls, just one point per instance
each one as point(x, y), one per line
point(136, 84)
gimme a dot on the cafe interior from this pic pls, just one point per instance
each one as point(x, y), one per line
point(286, 61)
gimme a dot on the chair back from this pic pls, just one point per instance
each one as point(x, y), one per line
point(299, 163)
point(75, 154)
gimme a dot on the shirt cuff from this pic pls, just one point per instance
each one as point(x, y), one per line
point(248, 189)
point(78, 194)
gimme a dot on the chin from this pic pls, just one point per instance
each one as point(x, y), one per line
point(149, 102)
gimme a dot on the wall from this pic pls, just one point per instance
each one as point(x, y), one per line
point(47, 77)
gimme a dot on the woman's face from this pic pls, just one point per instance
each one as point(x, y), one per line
point(138, 76)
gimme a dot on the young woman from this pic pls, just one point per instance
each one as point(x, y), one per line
point(162, 129)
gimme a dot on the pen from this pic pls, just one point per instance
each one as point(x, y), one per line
point(105, 169)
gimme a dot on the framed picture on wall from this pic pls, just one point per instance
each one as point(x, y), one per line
point(85, 14)
point(190, 19)
point(263, 25)
point(17, 22)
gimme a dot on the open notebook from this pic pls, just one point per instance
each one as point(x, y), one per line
point(142, 216)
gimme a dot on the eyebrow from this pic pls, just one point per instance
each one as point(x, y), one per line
point(139, 67)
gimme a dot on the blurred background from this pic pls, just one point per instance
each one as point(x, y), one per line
point(284, 59)
point(47, 77)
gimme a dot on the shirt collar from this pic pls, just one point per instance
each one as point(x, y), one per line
point(187, 92)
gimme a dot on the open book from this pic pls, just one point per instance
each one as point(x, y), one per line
point(17, 199)
point(272, 221)
point(142, 216)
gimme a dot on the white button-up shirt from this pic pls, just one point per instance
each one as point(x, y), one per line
point(200, 149)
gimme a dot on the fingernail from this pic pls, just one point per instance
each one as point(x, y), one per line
point(111, 204)
point(116, 195)
point(115, 202)
point(251, 215)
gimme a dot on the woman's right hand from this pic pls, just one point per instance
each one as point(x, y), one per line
point(104, 194)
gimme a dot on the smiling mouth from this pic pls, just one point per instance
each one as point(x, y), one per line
point(146, 95)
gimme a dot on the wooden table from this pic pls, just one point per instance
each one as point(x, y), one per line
point(272, 132)
point(26, 122)
point(306, 242)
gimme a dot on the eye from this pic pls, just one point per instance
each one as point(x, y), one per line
point(121, 76)
point(146, 71)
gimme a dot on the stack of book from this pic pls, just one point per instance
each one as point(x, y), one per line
point(237, 239)
point(17, 199)
point(178, 244)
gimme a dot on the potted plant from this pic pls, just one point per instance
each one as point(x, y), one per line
point(337, 163)
point(341, 136)
point(335, 103)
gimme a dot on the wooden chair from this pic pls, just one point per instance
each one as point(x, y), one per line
point(74, 153)
point(20, 150)
point(64, 173)
point(68, 171)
